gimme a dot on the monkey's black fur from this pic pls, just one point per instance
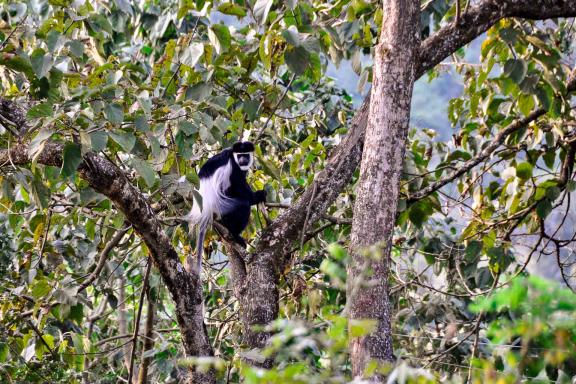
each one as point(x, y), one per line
point(236, 213)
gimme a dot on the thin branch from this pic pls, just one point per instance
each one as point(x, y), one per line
point(13, 30)
point(273, 112)
point(39, 334)
point(104, 256)
point(498, 140)
point(137, 320)
point(148, 340)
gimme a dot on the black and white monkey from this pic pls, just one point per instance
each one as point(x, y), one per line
point(225, 193)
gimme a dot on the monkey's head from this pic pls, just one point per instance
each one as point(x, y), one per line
point(243, 152)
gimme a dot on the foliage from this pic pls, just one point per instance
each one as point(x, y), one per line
point(534, 320)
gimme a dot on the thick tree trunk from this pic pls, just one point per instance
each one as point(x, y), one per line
point(377, 192)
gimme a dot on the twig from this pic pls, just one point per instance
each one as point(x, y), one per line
point(13, 30)
point(39, 334)
point(307, 215)
point(457, 18)
point(48, 220)
point(273, 112)
point(137, 320)
point(148, 340)
point(103, 256)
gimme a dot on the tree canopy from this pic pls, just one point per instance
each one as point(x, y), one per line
point(108, 109)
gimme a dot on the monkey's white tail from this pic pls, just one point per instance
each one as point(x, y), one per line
point(214, 202)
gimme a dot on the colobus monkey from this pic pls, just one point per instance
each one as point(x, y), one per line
point(225, 193)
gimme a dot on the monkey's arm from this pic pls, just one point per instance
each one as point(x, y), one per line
point(258, 197)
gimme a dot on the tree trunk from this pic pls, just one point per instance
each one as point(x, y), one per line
point(394, 73)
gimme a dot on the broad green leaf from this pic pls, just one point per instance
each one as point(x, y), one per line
point(41, 62)
point(544, 208)
point(141, 123)
point(473, 250)
point(526, 104)
point(71, 159)
point(114, 113)
point(76, 48)
point(199, 92)
point(144, 170)
point(292, 36)
point(221, 34)
point(515, 69)
point(261, 9)
point(40, 110)
point(524, 170)
point(54, 40)
point(232, 9)
point(188, 128)
point(40, 289)
point(192, 54)
point(125, 139)
point(297, 59)
point(98, 140)
point(3, 352)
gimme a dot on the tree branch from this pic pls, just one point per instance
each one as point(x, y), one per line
point(479, 18)
point(185, 289)
point(102, 258)
point(499, 138)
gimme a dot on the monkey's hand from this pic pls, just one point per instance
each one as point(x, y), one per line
point(260, 196)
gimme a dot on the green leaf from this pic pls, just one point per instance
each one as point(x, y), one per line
point(261, 9)
point(192, 54)
point(71, 159)
point(54, 40)
point(553, 193)
point(524, 170)
point(40, 289)
point(526, 104)
point(232, 9)
point(297, 59)
point(199, 92)
point(515, 69)
point(76, 48)
point(417, 215)
point(188, 128)
point(292, 36)
point(141, 123)
point(144, 170)
point(41, 62)
point(473, 250)
point(544, 208)
point(40, 110)
point(125, 139)
point(549, 158)
point(114, 113)
point(98, 140)
point(221, 34)
point(3, 352)
point(77, 313)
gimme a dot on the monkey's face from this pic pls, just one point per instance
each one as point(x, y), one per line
point(245, 160)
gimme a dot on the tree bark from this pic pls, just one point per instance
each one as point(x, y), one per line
point(378, 188)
